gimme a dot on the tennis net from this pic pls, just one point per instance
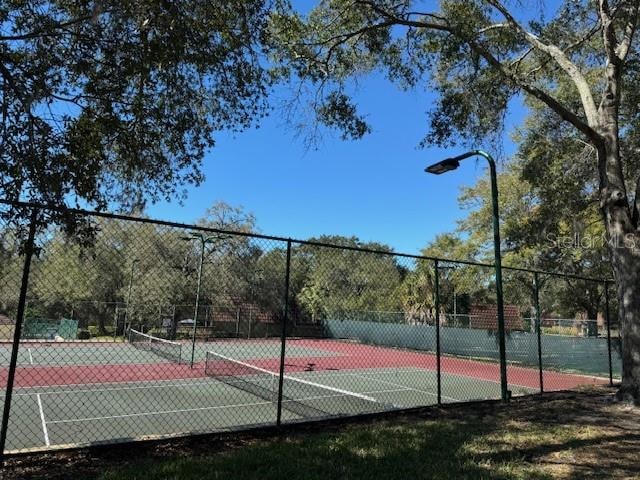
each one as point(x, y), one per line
point(302, 397)
point(160, 346)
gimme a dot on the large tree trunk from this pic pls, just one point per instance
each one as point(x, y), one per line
point(626, 267)
point(624, 247)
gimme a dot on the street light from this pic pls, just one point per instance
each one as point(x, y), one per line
point(204, 240)
point(444, 166)
point(127, 316)
point(452, 163)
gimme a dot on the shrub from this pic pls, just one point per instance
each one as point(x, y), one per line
point(84, 335)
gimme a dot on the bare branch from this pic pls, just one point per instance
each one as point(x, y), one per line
point(439, 23)
point(516, 63)
point(608, 31)
point(623, 48)
point(561, 59)
point(564, 112)
point(495, 26)
point(536, 92)
point(49, 32)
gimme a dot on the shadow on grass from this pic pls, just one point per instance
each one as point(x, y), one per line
point(565, 435)
point(387, 450)
point(573, 435)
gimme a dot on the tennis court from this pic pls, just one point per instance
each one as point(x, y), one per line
point(77, 394)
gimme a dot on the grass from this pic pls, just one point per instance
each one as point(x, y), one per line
point(564, 435)
point(436, 449)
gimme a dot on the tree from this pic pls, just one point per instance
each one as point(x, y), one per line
point(147, 268)
point(580, 65)
point(342, 283)
point(11, 263)
point(115, 103)
point(228, 258)
point(418, 293)
point(549, 222)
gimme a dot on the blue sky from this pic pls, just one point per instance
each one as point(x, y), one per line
point(374, 188)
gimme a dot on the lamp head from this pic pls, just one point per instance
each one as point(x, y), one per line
point(443, 166)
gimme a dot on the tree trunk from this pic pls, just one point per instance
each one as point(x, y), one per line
point(624, 247)
point(627, 273)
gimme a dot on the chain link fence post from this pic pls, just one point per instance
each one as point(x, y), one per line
point(29, 249)
point(283, 337)
point(538, 320)
point(436, 282)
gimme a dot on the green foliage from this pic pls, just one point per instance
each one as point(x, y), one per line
point(341, 282)
point(115, 103)
point(339, 41)
point(418, 291)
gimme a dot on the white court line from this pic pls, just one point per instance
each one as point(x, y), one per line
point(412, 369)
point(160, 412)
point(217, 407)
point(101, 383)
point(393, 384)
point(210, 381)
point(471, 377)
point(115, 389)
point(375, 372)
point(349, 372)
point(30, 356)
point(44, 422)
point(306, 382)
point(162, 383)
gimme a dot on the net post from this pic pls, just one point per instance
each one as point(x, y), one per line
point(22, 300)
point(607, 319)
point(115, 323)
point(283, 337)
point(174, 325)
point(127, 313)
point(436, 281)
point(538, 320)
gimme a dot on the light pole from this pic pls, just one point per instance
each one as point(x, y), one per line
point(256, 277)
point(452, 163)
point(127, 317)
point(204, 241)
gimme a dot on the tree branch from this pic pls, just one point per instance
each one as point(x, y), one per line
point(49, 32)
point(538, 93)
point(608, 32)
point(440, 25)
point(495, 26)
point(574, 73)
point(566, 114)
point(623, 48)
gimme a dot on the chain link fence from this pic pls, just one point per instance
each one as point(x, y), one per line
point(130, 329)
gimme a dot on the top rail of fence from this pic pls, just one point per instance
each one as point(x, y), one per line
point(117, 216)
